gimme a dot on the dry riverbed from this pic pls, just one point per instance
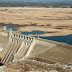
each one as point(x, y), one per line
point(52, 21)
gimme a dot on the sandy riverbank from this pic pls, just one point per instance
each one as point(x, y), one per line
point(53, 21)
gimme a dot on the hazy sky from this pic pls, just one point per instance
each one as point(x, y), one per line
point(38, 0)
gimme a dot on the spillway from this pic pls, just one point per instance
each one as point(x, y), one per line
point(19, 46)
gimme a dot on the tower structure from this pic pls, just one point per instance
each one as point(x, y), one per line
point(10, 34)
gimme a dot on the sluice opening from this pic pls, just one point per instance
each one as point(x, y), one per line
point(1, 64)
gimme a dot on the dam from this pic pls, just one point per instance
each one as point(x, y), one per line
point(17, 46)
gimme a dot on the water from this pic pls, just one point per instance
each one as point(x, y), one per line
point(33, 32)
point(13, 29)
point(26, 33)
point(68, 19)
point(65, 39)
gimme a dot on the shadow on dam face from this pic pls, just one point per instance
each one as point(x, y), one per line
point(1, 64)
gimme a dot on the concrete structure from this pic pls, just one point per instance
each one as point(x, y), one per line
point(20, 46)
point(17, 46)
point(4, 28)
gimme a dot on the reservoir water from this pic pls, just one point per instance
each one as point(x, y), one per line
point(65, 39)
point(33, 32)
point(68, 19)
point(13, 29)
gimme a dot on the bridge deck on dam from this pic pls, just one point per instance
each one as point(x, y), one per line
point(16, 46)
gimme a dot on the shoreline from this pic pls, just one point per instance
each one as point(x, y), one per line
point(52, 21)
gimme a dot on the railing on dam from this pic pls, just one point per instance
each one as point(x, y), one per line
point(19, 38)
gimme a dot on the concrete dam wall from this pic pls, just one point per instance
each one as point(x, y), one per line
point(22, 46)
point(17, 46)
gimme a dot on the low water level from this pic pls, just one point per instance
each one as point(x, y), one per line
point(13, 29)
point(65, 39)
point(68, 19)
point(33, 32)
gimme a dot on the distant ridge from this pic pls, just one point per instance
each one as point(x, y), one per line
point(45, 3)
